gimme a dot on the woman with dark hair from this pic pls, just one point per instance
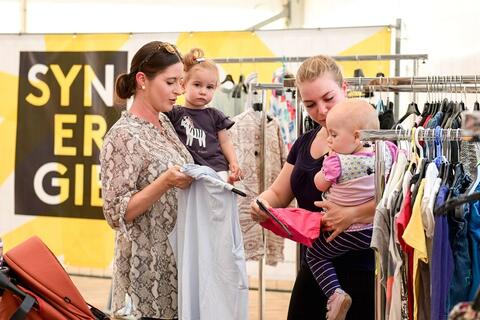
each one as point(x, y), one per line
point(140, 171)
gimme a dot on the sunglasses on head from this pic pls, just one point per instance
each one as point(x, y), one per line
point(168, 47)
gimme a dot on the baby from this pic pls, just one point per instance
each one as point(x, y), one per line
point(346, 179)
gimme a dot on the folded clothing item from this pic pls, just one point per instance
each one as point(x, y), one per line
point(303, 225)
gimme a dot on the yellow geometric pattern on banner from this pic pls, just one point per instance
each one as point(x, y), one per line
point(81, 242)
point(8, 124)
point(378, 43)
point(85, 42)
point(231, 44)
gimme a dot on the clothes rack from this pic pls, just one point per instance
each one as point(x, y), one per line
point(423, 135)
point(262, 184)
point(454, 84)
point(371, 57)
point(379, 136)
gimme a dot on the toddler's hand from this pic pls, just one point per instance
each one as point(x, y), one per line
point(235, 173)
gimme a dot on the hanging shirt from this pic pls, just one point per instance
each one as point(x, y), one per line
point(382, 225)
point(462, 271)
point(208, 246)
point(401, 224)
point(224, 101)
point(198, 130)
point(414, 236)
point(432, 185)
point(399, 305)
point(442, 261)
point(246, 140)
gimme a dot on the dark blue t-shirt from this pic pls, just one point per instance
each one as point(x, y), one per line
point(303, 187)
point(198, 130)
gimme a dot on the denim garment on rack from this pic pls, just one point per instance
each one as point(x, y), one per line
point(441, 268)
point(473, 220)
point(462, 275)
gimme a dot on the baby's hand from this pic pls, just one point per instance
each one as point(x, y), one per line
point(235, 173)
point(331, 153)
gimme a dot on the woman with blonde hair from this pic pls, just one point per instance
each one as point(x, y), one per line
point(321, 86)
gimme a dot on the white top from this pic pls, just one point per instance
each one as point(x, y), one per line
point(208, 246)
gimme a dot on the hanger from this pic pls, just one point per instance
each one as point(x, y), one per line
point(411, 109)
point(239, 87)
point(476, 179)
point(228, 78)
point(421, 165)
point(257, 104)
point(426, 106)
point(455, 202)
point(439, 158)
point(476, 105)
point(456, 109)
point(413, 152)
point(257, 101)
point(447, 175)
point(436, 100)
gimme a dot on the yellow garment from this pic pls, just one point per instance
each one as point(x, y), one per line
point(414, 236)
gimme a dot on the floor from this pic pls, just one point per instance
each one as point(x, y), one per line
point(96, 292)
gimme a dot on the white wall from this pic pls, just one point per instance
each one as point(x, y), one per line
point(96, 16)
point(445, 30)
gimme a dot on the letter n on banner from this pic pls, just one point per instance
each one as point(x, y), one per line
point(65, 107)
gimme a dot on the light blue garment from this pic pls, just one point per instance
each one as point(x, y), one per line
point(208, 246)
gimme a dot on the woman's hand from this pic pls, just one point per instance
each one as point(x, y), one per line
point(176, 178)
point(257, 214)
point(336, 218)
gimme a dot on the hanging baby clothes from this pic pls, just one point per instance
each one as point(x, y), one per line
point(246, 140)
point(282, 107)
point(208, 247)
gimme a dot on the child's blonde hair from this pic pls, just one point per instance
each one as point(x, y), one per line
point(316, 66)
point(194, 59)
point(357, 114)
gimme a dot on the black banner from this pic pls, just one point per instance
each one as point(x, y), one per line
point(65, 107)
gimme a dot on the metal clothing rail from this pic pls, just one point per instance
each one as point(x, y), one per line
point(379, 136)
point(422, 135)
point(455, 83)
point(371, 57)
point(266, 86)
point(262, 187)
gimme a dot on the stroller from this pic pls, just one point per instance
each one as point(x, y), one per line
point(34, 286)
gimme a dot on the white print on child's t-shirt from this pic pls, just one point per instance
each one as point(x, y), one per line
point(193, 133)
